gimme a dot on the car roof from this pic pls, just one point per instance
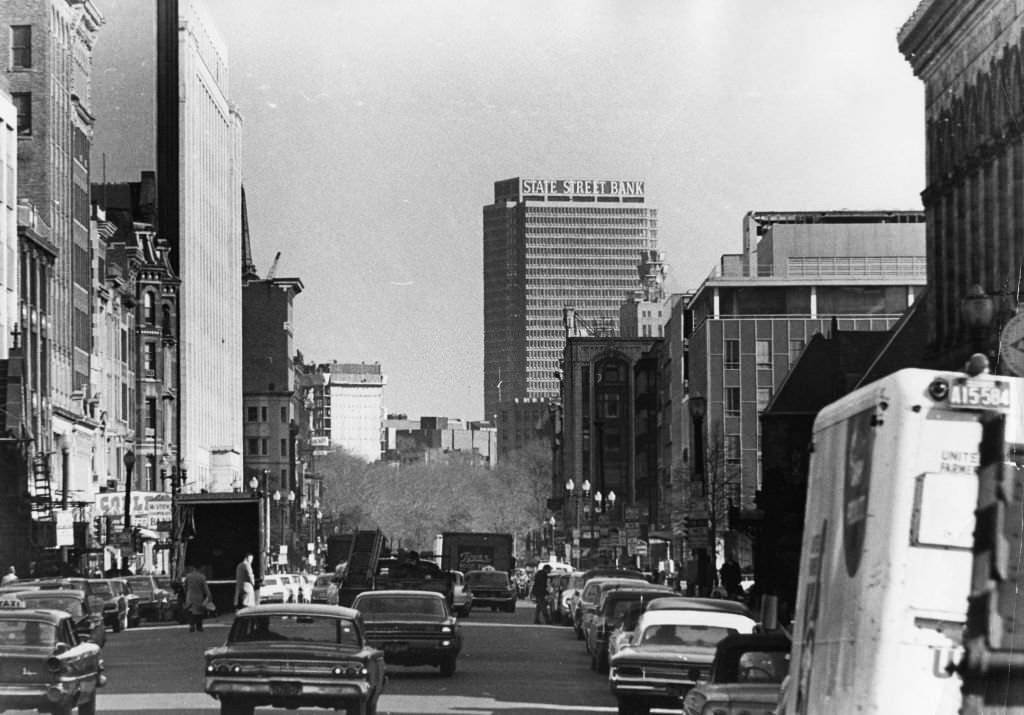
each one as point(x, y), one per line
point(49, 593)
point(47, 615)
point(628, 594)
point(611, 571)
point(298, 609)
point(700, 604)
point(694, 617)
point(754, 641)
point(486, 571)
point(401, 592)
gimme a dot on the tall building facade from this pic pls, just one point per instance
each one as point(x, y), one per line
point(8, 217)
point(549, 244)
point(47, 46)
point(968, 55)
point(347, 407)
point(800, 273)
point(272, 396)
point(199, 200)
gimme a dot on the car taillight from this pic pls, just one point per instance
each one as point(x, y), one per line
point(350, 670)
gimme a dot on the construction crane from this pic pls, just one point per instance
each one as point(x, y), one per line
point(273, 267)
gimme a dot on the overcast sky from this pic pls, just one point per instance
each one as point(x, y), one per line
point(374, 131)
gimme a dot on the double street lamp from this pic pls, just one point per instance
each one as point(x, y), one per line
point(601, 502)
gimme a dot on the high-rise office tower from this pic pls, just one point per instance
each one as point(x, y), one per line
point(199, 211)
point(550, 244)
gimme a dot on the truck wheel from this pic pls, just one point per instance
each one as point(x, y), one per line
point(448, 667)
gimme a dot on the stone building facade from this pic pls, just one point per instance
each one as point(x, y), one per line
point(970, 56)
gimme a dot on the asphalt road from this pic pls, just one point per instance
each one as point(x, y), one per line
point(507, 666)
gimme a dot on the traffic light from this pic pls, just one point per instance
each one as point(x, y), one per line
point(97, 529)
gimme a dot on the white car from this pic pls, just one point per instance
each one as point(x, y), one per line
point(303, 587)
point(274, 590)
point(462, 595)
point(668, 652)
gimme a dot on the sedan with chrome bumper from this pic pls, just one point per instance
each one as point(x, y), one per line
point(43, 664)
point(411, 627)
point(666, 654)
point(295, 656)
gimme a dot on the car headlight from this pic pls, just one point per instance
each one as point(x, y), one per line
point(446, 629)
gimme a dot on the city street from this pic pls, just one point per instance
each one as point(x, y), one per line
point(507, 666)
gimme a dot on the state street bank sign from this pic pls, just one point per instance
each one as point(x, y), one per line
point(582, 187)
point(148, 508)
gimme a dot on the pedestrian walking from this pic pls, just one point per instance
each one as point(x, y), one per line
point(197, 596)
point(10, 577)
point(540, 595)
point(245, 583)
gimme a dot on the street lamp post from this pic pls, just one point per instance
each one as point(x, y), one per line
point(129, 466)
point(570, 486)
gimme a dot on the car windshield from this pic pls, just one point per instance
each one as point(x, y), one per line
point(400, 605)
point(324, 580)
point(487, 579)
point(69, 604)
point(755, 666)
point(142, 586)
point(100, 588)
point(271, 581)
point(689, 635)
point(17, 631)
point(294, 628)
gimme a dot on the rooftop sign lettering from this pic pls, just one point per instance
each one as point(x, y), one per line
point(588, 187)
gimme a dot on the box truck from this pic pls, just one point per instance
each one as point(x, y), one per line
point(885, 567)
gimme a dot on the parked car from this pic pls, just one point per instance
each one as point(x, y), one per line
point(113, 607)
point(746, 675)
point(274, 590)
point(48, 667)
point(123, 590)
point(88, 624)
point(571, 597)
point(154, 601)
point(667, 653)
point(321, 587)
point(492, 588)
point(557, 582)
point(295, 656)
point(462, 594)
point(614, 606)
point(590, 596)
point(587, 577)
point(411, 627)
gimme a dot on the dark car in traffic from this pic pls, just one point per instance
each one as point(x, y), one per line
point(44, 665)
point(492, 588)
point(746, 675)
point(154, 602)
point(411, 627)
point(88, 623)
point(292, 656)
point(615, 607)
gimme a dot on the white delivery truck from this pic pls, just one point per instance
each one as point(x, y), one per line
point(885, 567)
